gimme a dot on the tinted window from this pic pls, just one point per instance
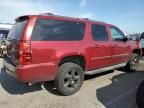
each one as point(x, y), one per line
point(99, 32)
point(17, 30)
point(58, 30)
point(116, 34)
point(3, 33)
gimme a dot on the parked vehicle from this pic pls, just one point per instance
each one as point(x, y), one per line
point(4, 30)
point(134, 37)
point(140, 95)
point(3, 33)
point(49, 47)
point(142, 43)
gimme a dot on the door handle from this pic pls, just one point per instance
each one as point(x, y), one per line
point(96, 46)
point(114, 46)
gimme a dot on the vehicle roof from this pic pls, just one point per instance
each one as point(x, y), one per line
point(4, 29)
point(4, 26)
point(59, 16)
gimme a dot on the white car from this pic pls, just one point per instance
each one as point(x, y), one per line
point(4, 30)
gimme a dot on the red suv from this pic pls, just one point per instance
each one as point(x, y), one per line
point(48, 47)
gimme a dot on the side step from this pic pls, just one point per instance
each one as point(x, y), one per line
point(105, 69)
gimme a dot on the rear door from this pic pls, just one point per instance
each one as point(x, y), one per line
point(100, 47)
point(120, 50)
point(13, 40)
point(52, 38)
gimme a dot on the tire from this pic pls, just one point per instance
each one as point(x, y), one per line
point(132, 63)
point(140, 95)
point(69, 78)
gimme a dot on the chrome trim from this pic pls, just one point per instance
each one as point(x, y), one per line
point(97, 58)
point(120, 55)
point(105, 69)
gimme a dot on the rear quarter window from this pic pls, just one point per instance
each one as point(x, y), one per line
point(58, 30)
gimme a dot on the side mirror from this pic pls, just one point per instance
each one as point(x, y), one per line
point(125, 38)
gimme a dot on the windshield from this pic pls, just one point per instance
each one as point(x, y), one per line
point(16, 30)
point(3, 33)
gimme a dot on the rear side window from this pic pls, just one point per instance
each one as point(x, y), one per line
point(58, 30)
point(99, 32)
point(16, 30)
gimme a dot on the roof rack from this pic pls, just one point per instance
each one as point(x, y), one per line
point(86, 18)
point(71, 17)
point(46, 14)
point(91, 20)
point(98, 21)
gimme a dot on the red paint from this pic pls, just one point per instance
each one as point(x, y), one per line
point(46, 55)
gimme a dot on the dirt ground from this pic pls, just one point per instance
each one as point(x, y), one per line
point(108, 90)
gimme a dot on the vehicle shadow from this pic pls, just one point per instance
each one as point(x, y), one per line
point(49, 86)
point(120, 93)
point(13, 86)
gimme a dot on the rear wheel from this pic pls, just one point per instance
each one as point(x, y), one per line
point(69, 78)
point(140, 96)
point(132, 63)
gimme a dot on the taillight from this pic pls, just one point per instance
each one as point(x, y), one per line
point(25, 52)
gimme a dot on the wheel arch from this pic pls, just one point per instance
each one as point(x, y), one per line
point(78, 59)
point(137, 51)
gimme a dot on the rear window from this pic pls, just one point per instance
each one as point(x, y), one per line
point(58, 30)
point(16, 30)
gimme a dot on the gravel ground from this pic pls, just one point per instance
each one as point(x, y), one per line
point(108, 90)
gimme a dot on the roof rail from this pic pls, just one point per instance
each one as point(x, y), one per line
point(83, 18)
point(70, 17)
point(46, 14)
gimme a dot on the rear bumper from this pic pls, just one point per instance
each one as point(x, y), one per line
point(31, 73)
point(9, 68)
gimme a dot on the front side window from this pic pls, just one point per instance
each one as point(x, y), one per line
point(99, 32)
point(116, 34)
point(58, 30)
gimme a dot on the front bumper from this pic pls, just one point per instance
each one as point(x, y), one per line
point(31, 73)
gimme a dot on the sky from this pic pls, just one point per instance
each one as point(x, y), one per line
point(128, 15)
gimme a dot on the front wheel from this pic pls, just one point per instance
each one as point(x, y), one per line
point(132, 63)
point(69, 78)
